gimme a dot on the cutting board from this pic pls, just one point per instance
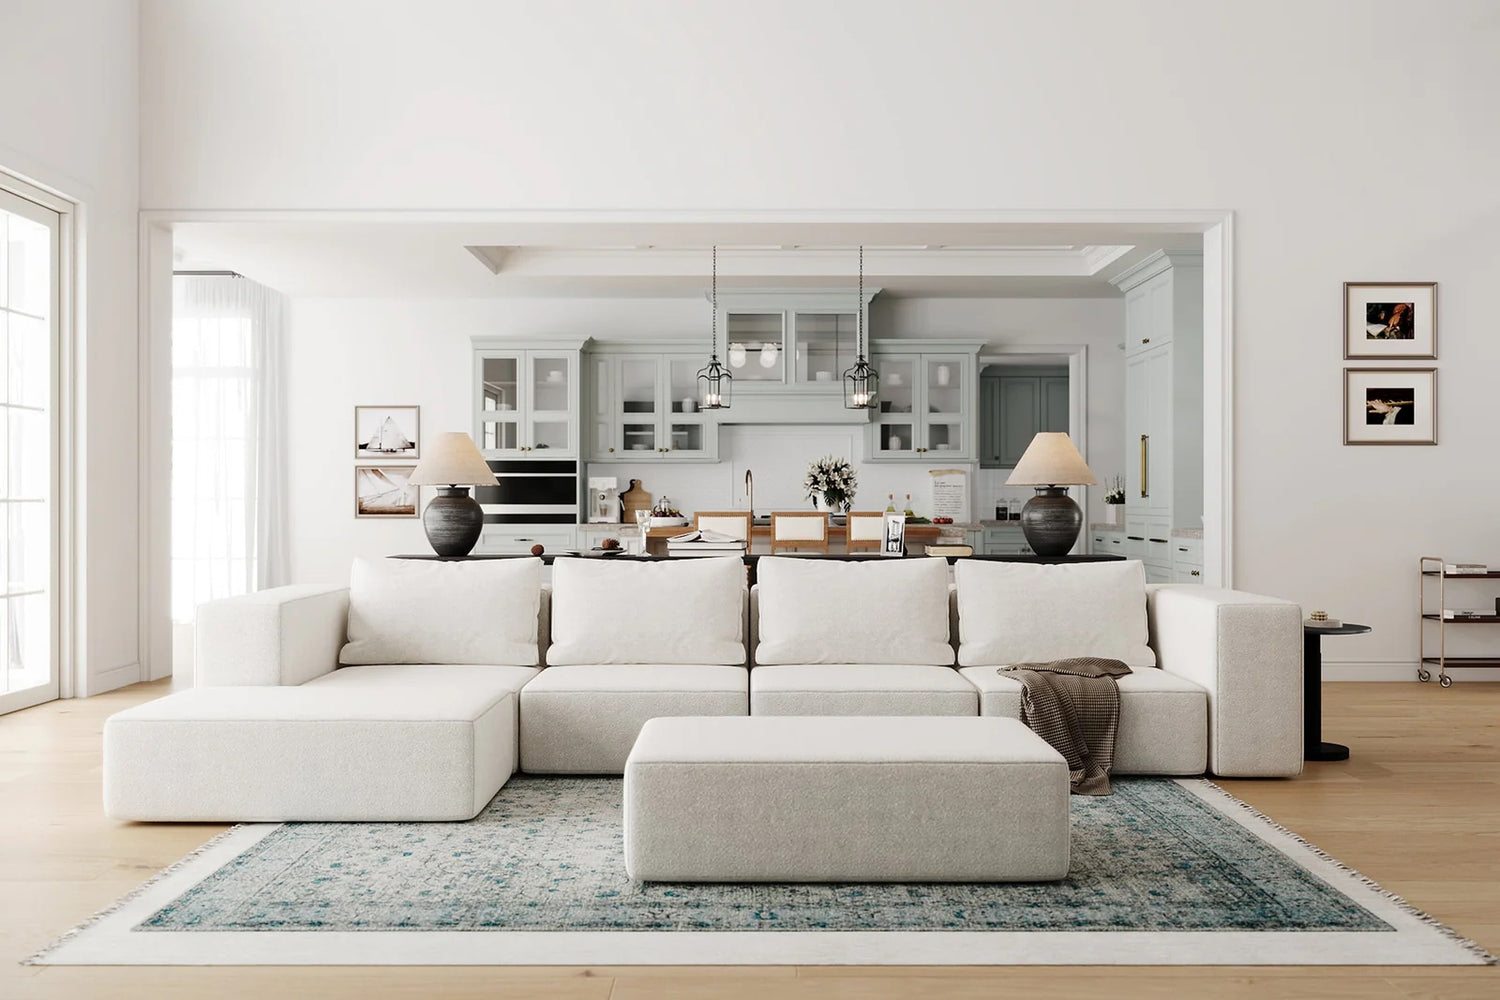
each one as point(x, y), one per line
point(632, 500)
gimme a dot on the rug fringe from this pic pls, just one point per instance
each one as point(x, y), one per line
point(40, 957)
point(1468, 944)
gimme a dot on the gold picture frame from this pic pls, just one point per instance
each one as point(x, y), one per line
point(1390, 320)
point(1390, 406)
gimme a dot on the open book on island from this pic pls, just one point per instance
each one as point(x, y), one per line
point(704, 539)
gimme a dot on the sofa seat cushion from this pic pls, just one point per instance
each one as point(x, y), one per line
point(1163, 718)
point(866, 611)
point(584, 718)
point(328, 750)
point(1032, 613)
point(424, 611)
point(399, 678)
point(684, 611)
point(860, 689)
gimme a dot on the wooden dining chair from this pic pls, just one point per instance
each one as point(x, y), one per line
point(735, 523)
point(866, 531)
point(799, 529)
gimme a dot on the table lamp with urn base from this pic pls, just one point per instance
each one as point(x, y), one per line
point(453, 519)
point(1051, 520)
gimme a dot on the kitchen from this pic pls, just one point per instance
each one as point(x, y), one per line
point(592, 353)
point(959, 410)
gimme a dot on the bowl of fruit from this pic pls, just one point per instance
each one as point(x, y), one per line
point(664, 515)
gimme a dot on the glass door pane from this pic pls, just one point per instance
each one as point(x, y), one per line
point(897, 419)
point(825, 347)
point(686, 434)
point(756, 342)
point(499, 393)
point(28, 333)
point(638, 404)
point(550, 392)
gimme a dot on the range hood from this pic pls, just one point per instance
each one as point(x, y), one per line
point(777, 405)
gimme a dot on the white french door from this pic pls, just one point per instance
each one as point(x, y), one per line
point(29, 322)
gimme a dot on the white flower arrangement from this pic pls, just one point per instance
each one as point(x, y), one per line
point(833, 479)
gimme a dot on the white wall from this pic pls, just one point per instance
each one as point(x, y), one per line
point(68, 121)
point(1353, 142)
point(348, 352)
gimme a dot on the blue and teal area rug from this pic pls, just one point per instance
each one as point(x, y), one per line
point(1163, 872)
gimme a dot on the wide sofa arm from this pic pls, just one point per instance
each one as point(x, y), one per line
point(1247, 651)
point(281, 636)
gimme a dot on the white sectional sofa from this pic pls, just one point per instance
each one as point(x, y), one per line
point(418, 690)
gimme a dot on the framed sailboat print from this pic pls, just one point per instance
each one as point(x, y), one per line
point(387, 432)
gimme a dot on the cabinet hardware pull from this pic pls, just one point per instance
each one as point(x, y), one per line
point(1145, 474)
point(1181, 548)
point(1145, 340)
point(1197, 572)
point(1159, 541)
point(611, 449)
point(1135, 538)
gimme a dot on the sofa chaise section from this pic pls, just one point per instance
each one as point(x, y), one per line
point(341, 748)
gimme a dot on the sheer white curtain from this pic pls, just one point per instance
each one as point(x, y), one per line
point(228, 440)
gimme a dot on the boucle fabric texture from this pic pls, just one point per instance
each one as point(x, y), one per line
point(870, 611)
point(689, 611)
point(427, 611)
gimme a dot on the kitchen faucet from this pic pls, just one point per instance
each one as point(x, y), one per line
point(750, 492)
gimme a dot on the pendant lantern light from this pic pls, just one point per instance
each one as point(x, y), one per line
point(715, 383)
point(861, 382)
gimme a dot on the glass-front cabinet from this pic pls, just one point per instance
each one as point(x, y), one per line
point(927, 404)
point(526, 399)
point(646, 405)
point(780, 339)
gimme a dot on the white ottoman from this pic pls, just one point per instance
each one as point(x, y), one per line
point(439, 751)
point(844, 799)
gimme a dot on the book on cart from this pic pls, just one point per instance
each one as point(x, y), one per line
point(950, 549)
point(702, 542)
point(1465, 569)
point(1464, 614)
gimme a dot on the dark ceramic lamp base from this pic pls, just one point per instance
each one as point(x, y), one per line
point(453, 521)
point(1051, 521)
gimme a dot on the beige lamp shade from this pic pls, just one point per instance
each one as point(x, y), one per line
point(452, 460)
point(1051, 460)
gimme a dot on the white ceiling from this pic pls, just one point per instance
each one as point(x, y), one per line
point(479, 260)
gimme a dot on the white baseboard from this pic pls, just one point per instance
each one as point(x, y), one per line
point(1399, 670)
point(115, 677)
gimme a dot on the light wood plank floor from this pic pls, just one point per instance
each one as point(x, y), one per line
point(1417, 809)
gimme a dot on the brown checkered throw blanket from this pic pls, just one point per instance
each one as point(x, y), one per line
point(1074, 704)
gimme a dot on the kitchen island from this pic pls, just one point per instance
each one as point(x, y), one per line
point(752, 559)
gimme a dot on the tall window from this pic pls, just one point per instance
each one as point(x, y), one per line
point(29, 266)
point(228, 524)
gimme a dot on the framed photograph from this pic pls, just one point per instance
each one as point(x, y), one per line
point(1390, 406)
point(1388, 319)
point(894, 543)
point(382, 491)
point(387, 432)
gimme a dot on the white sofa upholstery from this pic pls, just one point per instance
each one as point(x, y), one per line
point(1245, 650)
point(339, 748)
point(1163, 718)
point(271, 709)
point(583, 719)
point(774, 799)
point(860, 689)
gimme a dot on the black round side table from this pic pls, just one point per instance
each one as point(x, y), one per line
point(1313, 747)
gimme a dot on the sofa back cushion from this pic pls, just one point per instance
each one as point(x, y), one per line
point(1029, 613)
point(874, 611)
point(629, 611)
point(425, 611)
